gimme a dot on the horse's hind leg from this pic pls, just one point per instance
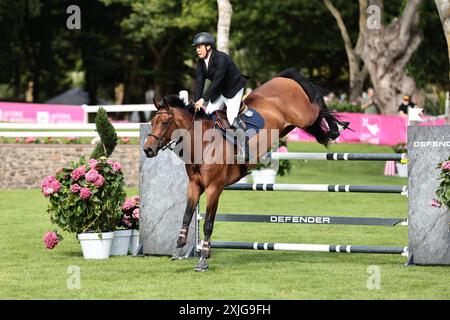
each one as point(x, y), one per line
point(212, 201)
point(194, 192)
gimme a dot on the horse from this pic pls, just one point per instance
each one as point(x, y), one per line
point(286, 101)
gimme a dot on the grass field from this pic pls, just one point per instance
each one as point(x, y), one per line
point(29, 271)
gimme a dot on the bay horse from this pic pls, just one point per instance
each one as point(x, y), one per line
point(286, 101)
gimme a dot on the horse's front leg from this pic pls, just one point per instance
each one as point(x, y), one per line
point(194, 192)
point(212, 201)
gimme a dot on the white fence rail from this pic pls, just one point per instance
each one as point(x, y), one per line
point(120, 108)
point(63, 130)
point(65, 126)
point(55, 134)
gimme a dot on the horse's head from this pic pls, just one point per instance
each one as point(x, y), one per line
point(163, 125)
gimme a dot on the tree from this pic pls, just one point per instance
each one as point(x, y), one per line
point(357, 70)
point(107, 134)
point(387, 50)
point(268, 38)
point(223, 24)
point(164, 28)
point(443, 7)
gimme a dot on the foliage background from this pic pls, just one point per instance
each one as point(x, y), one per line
point(145, 44)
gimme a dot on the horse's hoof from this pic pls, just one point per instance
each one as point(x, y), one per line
point(178, 255)
point(202, 266)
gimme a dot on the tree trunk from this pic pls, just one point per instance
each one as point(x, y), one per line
point(443, 7)
point(223, 25)
point(357, 71)
point(386, 52)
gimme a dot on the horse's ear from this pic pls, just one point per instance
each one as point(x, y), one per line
point(165, 104)
point(156, 103)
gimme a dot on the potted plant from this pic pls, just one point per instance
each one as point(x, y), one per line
point(266, 172)
point(402, 168)
point(130, 220)
point(85, 198)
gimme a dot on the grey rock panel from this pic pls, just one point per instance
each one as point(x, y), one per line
point(429, 228)
point(163, 191)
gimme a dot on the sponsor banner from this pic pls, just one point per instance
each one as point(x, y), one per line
point(40, 113)
point(368, 128)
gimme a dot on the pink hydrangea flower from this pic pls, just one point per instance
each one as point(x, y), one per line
point(100, 181)
point(282, 149)
point(85, 193)
point(135, 200)
point(78, 172)
point(48, 191)
point(18, 140)
point(92, 175)
point(75, 188)
point(92, 163)
point(445, 165)
point(125, 140)
point(435, 203)
point(116, 166)
point(126, 221)
point(50, 185)
point(127, 205)
point(50, 240)
point(30, 140)
point(135, 214)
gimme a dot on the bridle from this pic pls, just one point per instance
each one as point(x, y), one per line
point(173, 143)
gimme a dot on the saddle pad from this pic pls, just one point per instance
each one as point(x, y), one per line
point(253, 121)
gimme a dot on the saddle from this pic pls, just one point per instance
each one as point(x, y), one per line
point(221, 120)
point(252, 119)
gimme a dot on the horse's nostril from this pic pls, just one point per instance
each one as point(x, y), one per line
point(149, 152)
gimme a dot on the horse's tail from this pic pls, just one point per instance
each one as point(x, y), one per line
point(319, 130)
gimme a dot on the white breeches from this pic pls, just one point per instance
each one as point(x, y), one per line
point(232, 105)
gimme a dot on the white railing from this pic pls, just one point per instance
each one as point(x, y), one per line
point(120, 108)
point(54, 134)
point(63, 130)
point(65, 126)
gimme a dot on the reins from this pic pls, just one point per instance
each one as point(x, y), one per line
point(172, 143)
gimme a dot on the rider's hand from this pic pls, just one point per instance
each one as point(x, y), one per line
point(199, 104)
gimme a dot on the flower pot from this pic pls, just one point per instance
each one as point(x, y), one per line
point(264, 176)
point(402, 169)
point(96, 245)
point(121, 242)
point(134, 242)
point(243, 180)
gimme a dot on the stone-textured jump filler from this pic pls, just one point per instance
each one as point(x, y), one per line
point(316, 188)
point(337, 156)
point(309, 247)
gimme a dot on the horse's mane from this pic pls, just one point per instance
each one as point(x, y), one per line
point(174, 101)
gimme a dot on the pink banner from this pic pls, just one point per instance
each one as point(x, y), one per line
point(40, 113)
point(368, 128)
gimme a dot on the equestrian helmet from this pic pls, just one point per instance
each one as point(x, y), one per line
point(203, 38)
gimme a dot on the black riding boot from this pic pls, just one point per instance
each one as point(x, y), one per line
point(239, 131)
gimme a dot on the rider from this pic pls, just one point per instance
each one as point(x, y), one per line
point(227, 85)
